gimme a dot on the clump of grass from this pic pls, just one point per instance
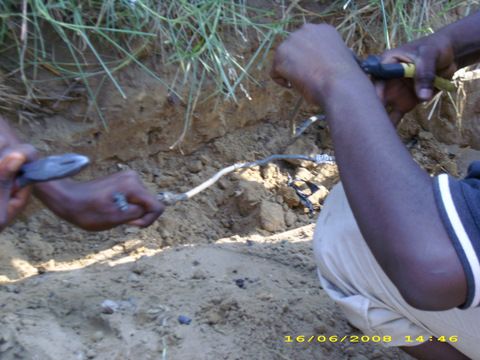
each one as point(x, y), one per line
point(205, 46)
point(197, 36)
point(78, 40)
point(8, 97)
point(389, 23)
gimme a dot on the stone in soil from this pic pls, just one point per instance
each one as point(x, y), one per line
point(289, 196)
point(271, 216)
point(249, 196)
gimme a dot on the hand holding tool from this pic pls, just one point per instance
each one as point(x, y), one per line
point(372, 65)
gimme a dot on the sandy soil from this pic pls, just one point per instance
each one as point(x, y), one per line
point(245, 279)
point(55, 278)
point(236, 259)
point(243, 296)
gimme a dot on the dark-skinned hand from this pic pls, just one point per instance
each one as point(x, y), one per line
point(90, 205)
point(310, 59)
point(12, 199)
point(432, 55)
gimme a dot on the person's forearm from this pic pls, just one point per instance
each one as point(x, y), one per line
point(391, 197)
point(464, 35)
point(53, 195)
point(381, 179)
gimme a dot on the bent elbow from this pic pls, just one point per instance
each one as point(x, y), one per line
point(426, 300)
point(431, 292)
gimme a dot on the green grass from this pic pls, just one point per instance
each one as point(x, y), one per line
point(389, 23)
point(199, 38)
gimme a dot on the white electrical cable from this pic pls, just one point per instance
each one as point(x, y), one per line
point(171, 198)
point(304, 125)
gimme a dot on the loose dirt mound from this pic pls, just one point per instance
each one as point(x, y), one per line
point(243, 295)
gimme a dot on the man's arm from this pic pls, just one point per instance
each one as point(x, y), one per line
point(464, 36)
point(390, 195)
point(88, 205)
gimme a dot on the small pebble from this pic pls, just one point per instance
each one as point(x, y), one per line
point(199, 275)
point(205, 159)
point(91, 354)
point(134, 278)
point(195, 166)
point(139, 268)
point(213, 318)
point(184, 320)
point(97, 336)
point(131, 230)
point(109, 306)
point(240, 283)
point(320, 328)
point(265, 296)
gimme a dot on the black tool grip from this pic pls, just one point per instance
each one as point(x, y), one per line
point(373, 66)
point(390, 71)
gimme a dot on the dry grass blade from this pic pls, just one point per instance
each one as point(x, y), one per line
point(9, 99)
point(201, 38)
point(186, 33)
point(395, 22)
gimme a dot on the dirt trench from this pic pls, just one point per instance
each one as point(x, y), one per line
point(236, 259)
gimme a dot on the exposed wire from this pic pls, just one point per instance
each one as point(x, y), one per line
point(304, 125)
point(171, 198)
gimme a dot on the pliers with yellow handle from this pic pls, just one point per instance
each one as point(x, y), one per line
point(372, 65)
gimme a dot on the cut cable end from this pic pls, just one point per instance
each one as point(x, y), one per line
point(324, 159)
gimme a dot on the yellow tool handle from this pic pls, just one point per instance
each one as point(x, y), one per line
point(439, 82)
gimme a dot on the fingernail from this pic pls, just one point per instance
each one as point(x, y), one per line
point(14, 164)
point(425, 94)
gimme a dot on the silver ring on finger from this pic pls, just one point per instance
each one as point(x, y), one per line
point(120, 201)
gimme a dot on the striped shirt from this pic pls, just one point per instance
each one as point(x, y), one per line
point(459, 205)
